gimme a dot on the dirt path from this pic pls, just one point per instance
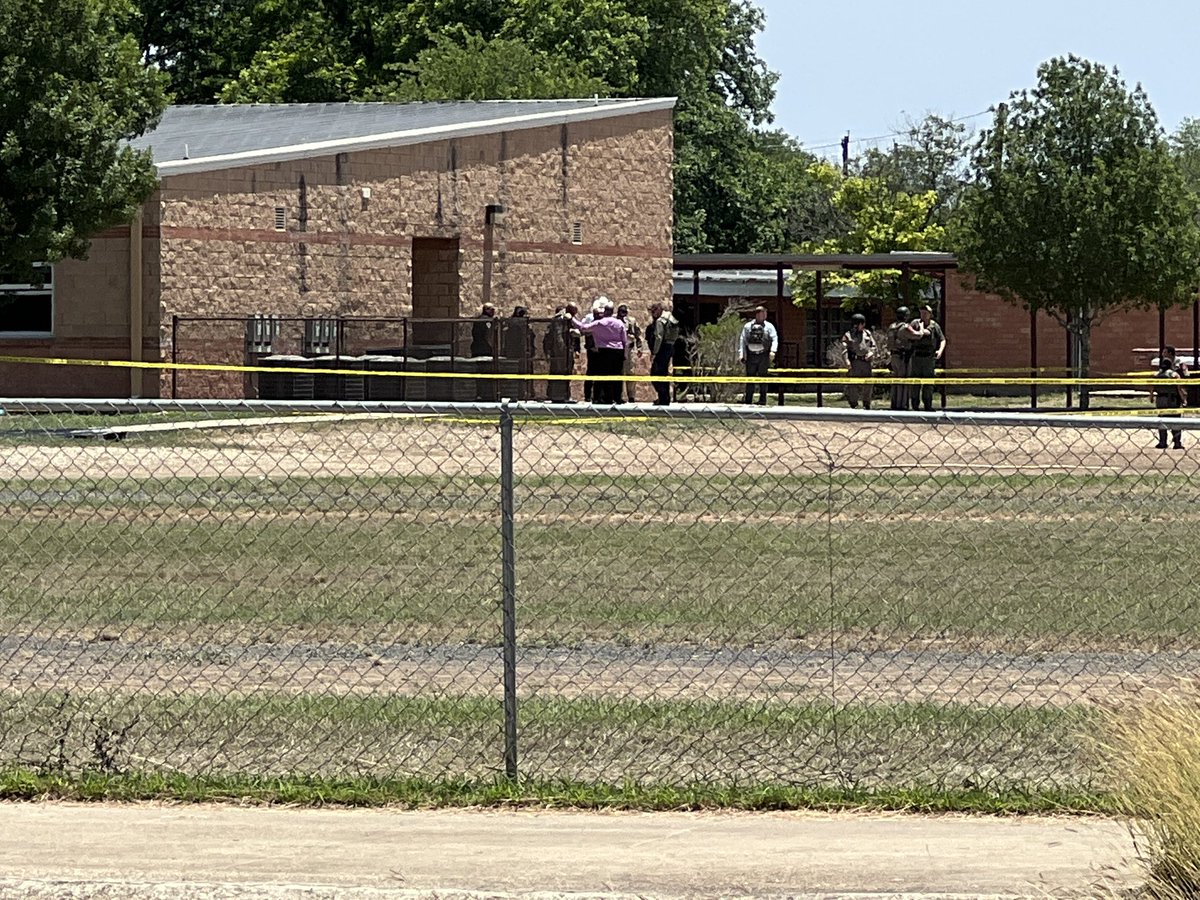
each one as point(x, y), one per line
point(218, 852)
point(609, 672)
point(429, 447)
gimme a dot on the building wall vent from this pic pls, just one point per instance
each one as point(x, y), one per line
point(577, 233)
point(280, 218)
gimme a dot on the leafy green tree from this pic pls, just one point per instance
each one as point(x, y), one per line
point(1185, 149)
point(1076, 207)
point(471, 67)
point(604, 39)
point(875, 218)
point(732, 182)
point(727, 177)
point(932, 157)
point(198, 46)
point(308, 62)
point(72, 90)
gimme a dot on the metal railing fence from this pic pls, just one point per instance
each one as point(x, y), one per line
point(666, 596)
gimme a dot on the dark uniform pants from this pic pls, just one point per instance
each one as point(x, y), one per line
point(589, 386)
point(899, 369)
point(1176, 435)
point(559, 390)
point(757, 366)
point(922, 394)
point(859, 392)
point(661, 366)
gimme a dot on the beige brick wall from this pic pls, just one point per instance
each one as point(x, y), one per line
point(210, 247)
point(343, 255)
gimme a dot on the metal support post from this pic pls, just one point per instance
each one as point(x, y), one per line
point(1033, 359)
point(818, 337)
point(509, 579)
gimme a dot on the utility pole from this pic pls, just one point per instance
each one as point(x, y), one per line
point(846, 155)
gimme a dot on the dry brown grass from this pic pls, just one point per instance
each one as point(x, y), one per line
point(1154, 752)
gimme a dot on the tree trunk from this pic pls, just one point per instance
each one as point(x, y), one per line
point(1080, 326)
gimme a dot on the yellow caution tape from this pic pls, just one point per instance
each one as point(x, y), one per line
point(828, 379)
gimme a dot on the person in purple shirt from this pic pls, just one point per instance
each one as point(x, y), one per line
point(610, 336)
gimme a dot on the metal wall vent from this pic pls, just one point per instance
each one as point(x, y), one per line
point(280, 218)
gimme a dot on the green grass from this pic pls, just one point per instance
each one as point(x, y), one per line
point(733, 745)
point(202, 567)
point(1079, 561)
point(421, 793)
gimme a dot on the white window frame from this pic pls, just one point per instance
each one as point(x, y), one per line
point(32, 290)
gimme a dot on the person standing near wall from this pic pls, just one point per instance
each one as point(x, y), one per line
point(756, 351)
point(899, 354)
point(609, 338)
point(661, 336)
point(589, 350)
point(518, 345)
point(560, 346)
point(1170, 396)
point(859, 344)
point(928, 345)
point(633, 344)
point(483, 332)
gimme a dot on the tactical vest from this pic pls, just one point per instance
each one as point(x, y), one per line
point(924, 345)
point(1168, 395)
point(756, 337)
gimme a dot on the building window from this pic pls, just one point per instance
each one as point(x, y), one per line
point(835, 322)
point(27, 304)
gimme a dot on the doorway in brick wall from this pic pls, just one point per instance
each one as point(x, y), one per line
point(435, 295)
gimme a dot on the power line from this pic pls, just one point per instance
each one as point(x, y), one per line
point(880, 137)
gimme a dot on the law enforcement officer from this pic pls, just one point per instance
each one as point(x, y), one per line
point(860, 352)
point(560, 346)
point(1170, 396)
point(633, 345)
point(661, 335)
point(928, 345)
point(483, 332)
point(756, 350)
point(899, 354)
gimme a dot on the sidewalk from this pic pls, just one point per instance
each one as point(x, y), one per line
point(154, 851)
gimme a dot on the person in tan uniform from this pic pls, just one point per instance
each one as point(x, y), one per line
point(860, 352)
point(633, 345)
point(899, 354)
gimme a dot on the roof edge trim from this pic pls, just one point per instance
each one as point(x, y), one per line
point(409, 137)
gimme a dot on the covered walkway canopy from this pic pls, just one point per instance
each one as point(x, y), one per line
point(934, 265)
point(926, 263)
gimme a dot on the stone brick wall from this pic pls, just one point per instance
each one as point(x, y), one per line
point(344, 254)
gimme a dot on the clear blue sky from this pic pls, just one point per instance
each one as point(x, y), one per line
point(861, 66)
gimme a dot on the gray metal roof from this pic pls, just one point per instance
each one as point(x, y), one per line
point(203, 138)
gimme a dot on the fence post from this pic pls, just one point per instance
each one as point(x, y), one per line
point(509, 581)
point(174, 357)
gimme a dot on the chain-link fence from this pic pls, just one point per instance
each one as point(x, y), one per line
point(663, 595)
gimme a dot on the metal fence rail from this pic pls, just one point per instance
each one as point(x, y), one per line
point(663, 595)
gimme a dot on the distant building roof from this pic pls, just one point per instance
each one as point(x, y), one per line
point(223, 136)
point(733, 283)
point(827, 262)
